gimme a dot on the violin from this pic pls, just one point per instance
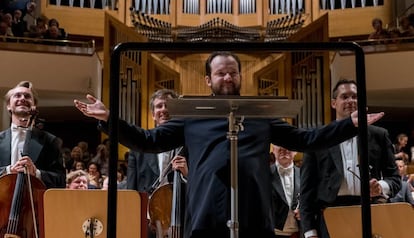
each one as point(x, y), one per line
point(21, 200)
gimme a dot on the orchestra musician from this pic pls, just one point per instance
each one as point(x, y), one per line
point(285, 191)
point(331, 177)
point(44, 159)
point(145, 170)
point(30, 163)
point(208, 185)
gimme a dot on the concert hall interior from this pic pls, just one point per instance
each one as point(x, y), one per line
point(78, 63)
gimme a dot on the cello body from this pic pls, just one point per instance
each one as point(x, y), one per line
point(159, 210)
point(166, 209)
point(23, 227)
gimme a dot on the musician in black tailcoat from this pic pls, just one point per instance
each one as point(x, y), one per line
point(44, 159)
point(145, 170)
point(331, 177)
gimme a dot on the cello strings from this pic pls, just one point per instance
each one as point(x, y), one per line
point(31, 202)
point(14, 216)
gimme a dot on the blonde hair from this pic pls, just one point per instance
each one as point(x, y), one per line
point(25, 84)
point(75, 174)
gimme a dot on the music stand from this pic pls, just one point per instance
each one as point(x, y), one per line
point(388, 220)
point(83, 213)
point(235, 108)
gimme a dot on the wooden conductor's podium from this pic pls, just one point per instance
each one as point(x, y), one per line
point(69, 213)
point(390, 220)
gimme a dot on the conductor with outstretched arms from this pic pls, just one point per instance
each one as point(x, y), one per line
point(208, 186)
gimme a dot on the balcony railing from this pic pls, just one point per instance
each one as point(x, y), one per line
point(47, 45)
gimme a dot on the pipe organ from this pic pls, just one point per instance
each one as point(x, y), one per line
point(342, 4)
point(219, 6)
point(285, 7)
point(217, 30)
point(161, 7)
point(130, 87)
point(191, 7)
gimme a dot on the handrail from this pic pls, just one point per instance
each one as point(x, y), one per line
point(383, 45)
point(13, 39)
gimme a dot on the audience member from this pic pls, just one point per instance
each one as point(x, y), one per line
point(406, 29)
point(402, 169)
point(121, 181)
point(18, 24)
point(102, 158)
point(331, 177)
point(61, 31)
point(8, 19)
point(29, 15)
point(3, 31)
point(86, 156)
point(77, 179)
point(66, 158)
point(78, 165)
point(75, 155)
point(395, 35)
point(399, 145)
point(53, 37)
point(405, 193)
point(95, 178)
point(379, 31)
point(37, 30)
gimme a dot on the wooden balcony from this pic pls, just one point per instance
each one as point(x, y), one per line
point(342, 22)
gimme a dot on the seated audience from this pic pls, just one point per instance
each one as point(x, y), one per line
point(77, 179)
point(8, 19)
point(406, 29)
point(379, 31)
point(18, 24)
point(53, 34)
point(79, 165)
point(404, 195)
point(29, 14)
point(102, 158)
point(399, 145)
point(75, 155)
point(38, 30)
point(95, 179)
point(54, 22)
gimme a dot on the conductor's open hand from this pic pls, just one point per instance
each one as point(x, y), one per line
point(95, 108)
point(371, 117)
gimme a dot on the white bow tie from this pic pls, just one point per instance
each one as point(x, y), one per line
point(285, 171)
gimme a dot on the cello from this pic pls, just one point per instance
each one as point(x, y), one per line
point(177, 213)
point(21, 196)
point(165, 206)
